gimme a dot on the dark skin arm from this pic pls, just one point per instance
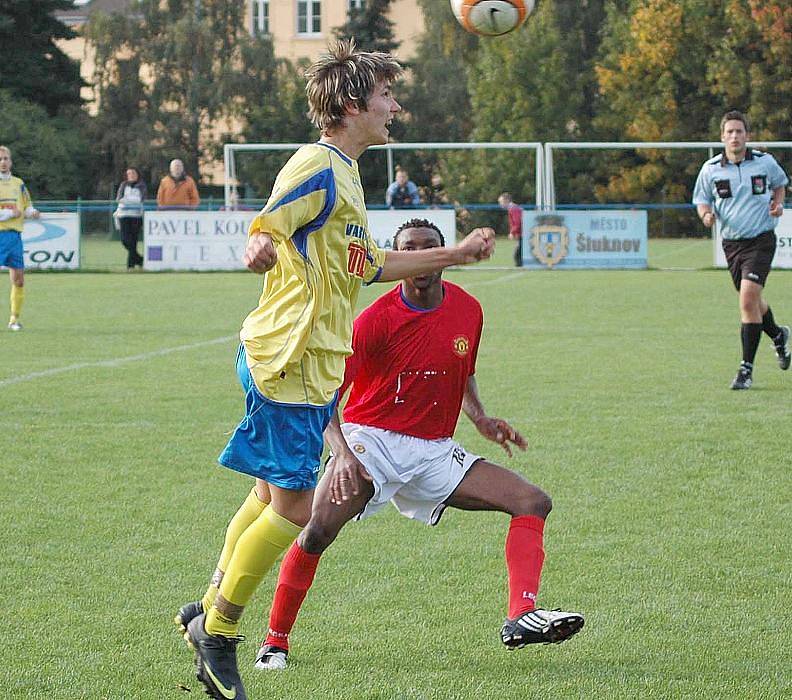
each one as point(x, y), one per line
point(494, 429)
point(348, 473)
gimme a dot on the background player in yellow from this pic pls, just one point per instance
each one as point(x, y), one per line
point(312, 241)
point(15, 206)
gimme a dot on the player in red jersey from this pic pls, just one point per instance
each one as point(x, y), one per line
point(411, 372)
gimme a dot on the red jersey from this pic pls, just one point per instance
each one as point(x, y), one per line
point(515, 221)
point(410, 367)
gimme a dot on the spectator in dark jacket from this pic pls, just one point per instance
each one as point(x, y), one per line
point(402, 192)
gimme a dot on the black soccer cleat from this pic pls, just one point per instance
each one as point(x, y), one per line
point(216, 662)
point(744, 378)
point(271, 658)
point(540, 627)
point(781, 343)
point(187, 613)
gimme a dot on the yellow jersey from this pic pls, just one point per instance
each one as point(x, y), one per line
point(13, 193)
point(299, 336)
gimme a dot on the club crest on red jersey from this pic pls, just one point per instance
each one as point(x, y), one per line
point(461, 345)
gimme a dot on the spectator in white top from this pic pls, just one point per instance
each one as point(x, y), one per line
point(131, 195)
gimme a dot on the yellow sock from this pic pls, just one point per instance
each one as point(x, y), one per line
point(17, 297)
point(256, 551)
point(250, 509)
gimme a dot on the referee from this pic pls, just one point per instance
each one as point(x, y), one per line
point(744, 190)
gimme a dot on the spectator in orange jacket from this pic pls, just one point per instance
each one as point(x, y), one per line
point(177, 190)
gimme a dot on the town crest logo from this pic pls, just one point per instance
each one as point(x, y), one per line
point(549, 240)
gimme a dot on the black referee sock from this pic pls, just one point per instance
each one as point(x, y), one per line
point(769, 325)
point(750, 333)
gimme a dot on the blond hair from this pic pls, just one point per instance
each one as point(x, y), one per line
point(6, 149)
point(345, 77)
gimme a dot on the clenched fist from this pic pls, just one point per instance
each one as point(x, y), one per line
point(479, 244)
point(260, 254)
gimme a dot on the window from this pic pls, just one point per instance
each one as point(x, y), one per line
point(260, 16)
point(357, 4)
point(309, 17)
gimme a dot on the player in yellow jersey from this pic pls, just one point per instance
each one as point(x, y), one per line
point(313, 243)
point(15, 205)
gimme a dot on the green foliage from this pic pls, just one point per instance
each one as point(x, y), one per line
point(51, 154)
point(533, 84)
point(669, 70)
point(169, 77)
point(33, 67)
point(370, 27)
point(276, 109)
point(751, 67)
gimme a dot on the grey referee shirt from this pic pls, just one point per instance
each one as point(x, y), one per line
point(740, 193)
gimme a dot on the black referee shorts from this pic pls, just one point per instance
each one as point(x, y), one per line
point(750, 258)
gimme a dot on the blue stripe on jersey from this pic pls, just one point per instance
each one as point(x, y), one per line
point(300, 236)
point(343, 157)
point(323, 180)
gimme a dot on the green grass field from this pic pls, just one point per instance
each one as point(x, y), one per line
point(670, 529)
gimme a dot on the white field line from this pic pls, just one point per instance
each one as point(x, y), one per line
point(116, 362)
point(496, 280)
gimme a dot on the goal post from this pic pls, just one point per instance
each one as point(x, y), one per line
point(231, 149)
point(551, 146)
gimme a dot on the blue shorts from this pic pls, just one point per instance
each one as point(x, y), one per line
point(280, 443)
point(11, 251)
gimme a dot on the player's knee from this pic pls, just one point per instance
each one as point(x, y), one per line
point(316, 537)
point(533, 501)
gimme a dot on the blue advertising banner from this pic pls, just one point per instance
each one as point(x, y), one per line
point(580, 240)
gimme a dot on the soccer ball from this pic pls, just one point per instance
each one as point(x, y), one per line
point(491, 17)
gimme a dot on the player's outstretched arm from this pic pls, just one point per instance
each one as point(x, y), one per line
point(495, 429)
point(477, 245)
point(348, 473)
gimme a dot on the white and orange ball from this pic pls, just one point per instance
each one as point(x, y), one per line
point(491, 17)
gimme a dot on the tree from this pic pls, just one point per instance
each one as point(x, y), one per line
point(51, 154)
point(33, 67)
point(534, 84)
point(668, 72)
point(751, 67)
point(275, 111)
point(370, 27)
point(653, 87)
point(434, 95)
point(168, 77)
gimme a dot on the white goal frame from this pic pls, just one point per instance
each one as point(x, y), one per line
point(545, 170)
point(230, 172)
point(549, 172)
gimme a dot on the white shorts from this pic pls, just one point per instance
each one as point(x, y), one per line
point(417, 475)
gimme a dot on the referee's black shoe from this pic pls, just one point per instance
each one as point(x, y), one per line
point(781, 343)
point(743, 380)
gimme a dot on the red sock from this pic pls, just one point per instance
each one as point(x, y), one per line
point(295, 578)
point(524, 559)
